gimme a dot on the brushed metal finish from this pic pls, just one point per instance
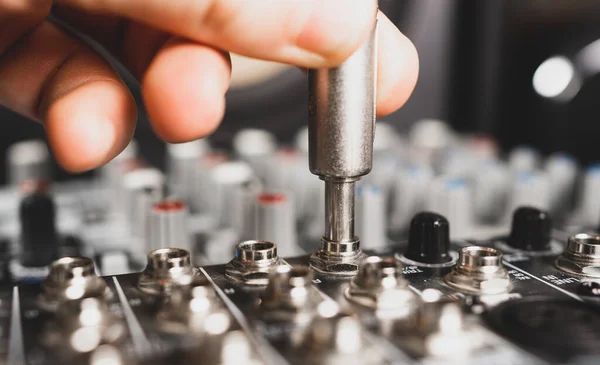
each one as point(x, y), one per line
point(341, 133)
point(252, 263)
point(341, 115)
point(71, 278)
point(582, 255)
point(479, 270)
point(339, 211)
point(166, 268)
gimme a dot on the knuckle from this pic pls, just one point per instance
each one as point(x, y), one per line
point(26, 11)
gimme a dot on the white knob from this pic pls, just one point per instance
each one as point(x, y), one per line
point(168, 226)
point(528, 189)
point(182, 160)
point(427, 138)
point(523, 159)
point(204, 198)
point(451, 197)
point(385, 165)
point(29, 160)
point(114, 263)
point(562, 173)
point(255, 146)
point(386, 138)
point(112, 174)
point(457, 161)
point(589, 203)
point(371, 221)
point(276, 222)
point(410, 189)
point(142, 187)
point(301, 140)
point(491, 183)
point(234, 183)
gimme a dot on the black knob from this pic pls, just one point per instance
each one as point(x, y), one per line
point(531, 229)
point(5, 251)
point(39, 238)
point(428, 239)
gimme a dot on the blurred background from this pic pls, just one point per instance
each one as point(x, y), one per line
point(523, 71)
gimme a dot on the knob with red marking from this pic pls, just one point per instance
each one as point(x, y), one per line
point(276, 221)
point(168, 226)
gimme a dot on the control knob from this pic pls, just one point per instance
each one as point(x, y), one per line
point(429, 239)
point(39, 237)
point(531, 229)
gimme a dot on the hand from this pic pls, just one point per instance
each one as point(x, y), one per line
point(179, 51)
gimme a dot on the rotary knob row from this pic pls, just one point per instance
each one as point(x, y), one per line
point(429, 236)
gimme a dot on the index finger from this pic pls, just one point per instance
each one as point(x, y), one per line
point(308, 33)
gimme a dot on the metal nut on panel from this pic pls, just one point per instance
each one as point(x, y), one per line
point(333, 330)
point(479, 270)
point(439, 328)
point(166, 268)
point(85, 324)
point(379, 285)
point(71, 278)
point(288, 288)
point(252, 263)
point(289, 294)
point(337, 337)
point(337, 259)
point(194, 308)
point(582, 255)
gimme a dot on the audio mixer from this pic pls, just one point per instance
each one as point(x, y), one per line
point(469, 257)
point(447, 252)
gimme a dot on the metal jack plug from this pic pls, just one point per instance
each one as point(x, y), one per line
point(341, 133)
